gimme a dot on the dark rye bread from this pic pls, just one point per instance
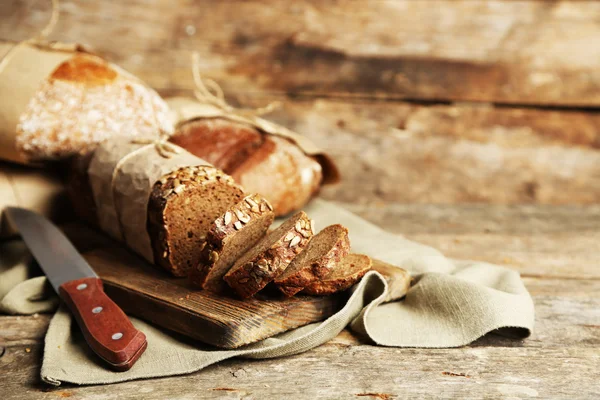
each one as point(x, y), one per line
point(230, 236)
point(182, 206)
point(270, 257)
point(345, 274)
point(324, 251)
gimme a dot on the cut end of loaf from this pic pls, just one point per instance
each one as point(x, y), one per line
point(230, 236)
point(270, 257)
point(182, 206)
point(321, 256)
point(347, 273)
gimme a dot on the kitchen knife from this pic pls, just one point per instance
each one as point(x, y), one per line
point(106, 328)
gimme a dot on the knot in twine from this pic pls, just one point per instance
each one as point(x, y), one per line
point(209, 91)
point(161, 144)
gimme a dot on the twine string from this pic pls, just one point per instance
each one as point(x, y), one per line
point(209, 91)
point(40, 38)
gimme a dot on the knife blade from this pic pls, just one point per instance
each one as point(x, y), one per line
point(106, 328)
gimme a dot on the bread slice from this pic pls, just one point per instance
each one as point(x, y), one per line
point(271, 256)
point(344, 275)
point(181, 208)
point(323, 253)
point(229, 237)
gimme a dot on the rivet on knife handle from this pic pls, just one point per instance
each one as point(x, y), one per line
point(106, 328)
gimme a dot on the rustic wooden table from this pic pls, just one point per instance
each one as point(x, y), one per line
point(487, 109)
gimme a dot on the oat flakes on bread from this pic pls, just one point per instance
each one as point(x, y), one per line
point(270, 256)
point(345, 274)
point(183, 204)
point(229, 237)
point(321, 256)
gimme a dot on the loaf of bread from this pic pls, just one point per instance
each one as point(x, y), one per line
point(270, 256)
point(345, 274)
point(64, 100)
point(321, 256)
point(229, 237)
point(263, 157)
point(160, 206)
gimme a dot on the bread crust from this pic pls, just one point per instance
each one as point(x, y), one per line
point(324, 287)
point(164, 190)
point(318, 268)
point(262, 163)
point(232, 223)
point(86, 101)
point(253, 272)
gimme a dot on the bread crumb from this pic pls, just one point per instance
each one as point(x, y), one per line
point(27, 350)
point(181, 298)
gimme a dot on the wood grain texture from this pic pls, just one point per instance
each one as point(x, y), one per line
point(523, 52)
point(105, 327)
point(222, 321)
point(464, 153)
point(361, 61)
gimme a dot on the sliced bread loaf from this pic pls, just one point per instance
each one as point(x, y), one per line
point(270, 257)
point(323, 252)
point(229, 237)
point(181, 208)
point(344, 275)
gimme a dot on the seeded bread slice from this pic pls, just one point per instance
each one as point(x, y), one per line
point(270, 257)
point(325, 250)
point(229, 237)
point(181, 208)
point(344, 275)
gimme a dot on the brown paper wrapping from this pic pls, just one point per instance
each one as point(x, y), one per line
point(185, 109)
point(34, 189)
point(122, 174)
point(26, 69)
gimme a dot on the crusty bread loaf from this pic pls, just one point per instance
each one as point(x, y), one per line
point(321, 256)
point(345, 274)
point(229, 237)
point(181, 209)
point(266, 164)
point(83, 102)
point(270, 257)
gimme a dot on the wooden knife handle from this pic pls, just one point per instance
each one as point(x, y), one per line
point(106, 328)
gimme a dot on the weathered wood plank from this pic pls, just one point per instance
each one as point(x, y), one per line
point(349, 372)
point(458, 219)
point(497, 51)
point(23, 330)
point(453, 154)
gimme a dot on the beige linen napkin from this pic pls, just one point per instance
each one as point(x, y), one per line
point(451, 304)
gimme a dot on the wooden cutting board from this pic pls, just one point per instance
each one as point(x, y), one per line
point(144, 291)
